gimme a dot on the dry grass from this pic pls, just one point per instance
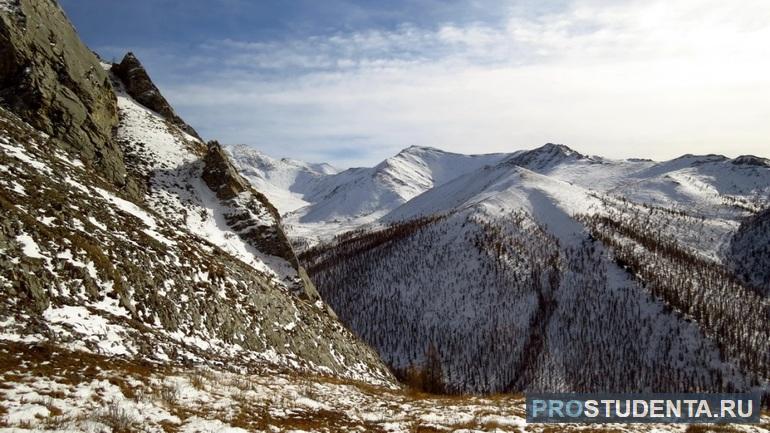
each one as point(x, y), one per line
point(324, 420)
point(711, 428)
point(583, 429)
point(115, 417)
point(70, 367)
point(198, 381)
point(251, 410)
point(168, 393)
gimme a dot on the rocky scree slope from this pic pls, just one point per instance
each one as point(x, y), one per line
point(190, 264)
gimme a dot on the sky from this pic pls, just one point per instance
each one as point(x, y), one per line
point(351, 82)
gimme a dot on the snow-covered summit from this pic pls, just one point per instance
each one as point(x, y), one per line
point(284, 181)
point(544, 157)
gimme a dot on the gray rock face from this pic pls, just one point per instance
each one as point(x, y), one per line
point(53, 81)
point(249, 213)
point(139, 85)
point(220, 175)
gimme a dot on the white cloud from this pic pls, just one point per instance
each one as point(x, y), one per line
point(642, 78)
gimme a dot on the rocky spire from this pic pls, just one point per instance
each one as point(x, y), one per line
point(139, 85)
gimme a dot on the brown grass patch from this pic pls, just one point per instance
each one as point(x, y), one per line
point(711, 428)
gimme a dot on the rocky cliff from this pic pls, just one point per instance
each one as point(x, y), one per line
point(52, 80)
point(251, 215)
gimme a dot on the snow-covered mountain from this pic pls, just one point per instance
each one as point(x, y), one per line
point(504, 273)
point(318, 202)
point(286, 182)
point(718, 191)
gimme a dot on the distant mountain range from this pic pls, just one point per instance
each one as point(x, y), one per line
point(543, 268)
point(318, 201)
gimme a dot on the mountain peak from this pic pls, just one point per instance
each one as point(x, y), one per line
point(555, 148)
point(140, 86)
point(700, 159)
point(751, 160)
point(422, 150)
point(543, 157)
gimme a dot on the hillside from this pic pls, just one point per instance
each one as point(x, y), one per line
point(143, 243)
point(153, 281)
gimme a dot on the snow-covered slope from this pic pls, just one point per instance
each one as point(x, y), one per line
point(548, 252)
point(365, 194)
point(710, 185)
point(318, 202)
point(284, 181)
point(173, 162)
point(507, 300)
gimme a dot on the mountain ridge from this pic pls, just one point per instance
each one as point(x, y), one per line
point(323, 209)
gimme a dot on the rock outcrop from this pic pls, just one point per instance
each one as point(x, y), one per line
point(53, 81)
point(751, 160)
point(139, 85)
point(543, 157)
point(250, 214)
